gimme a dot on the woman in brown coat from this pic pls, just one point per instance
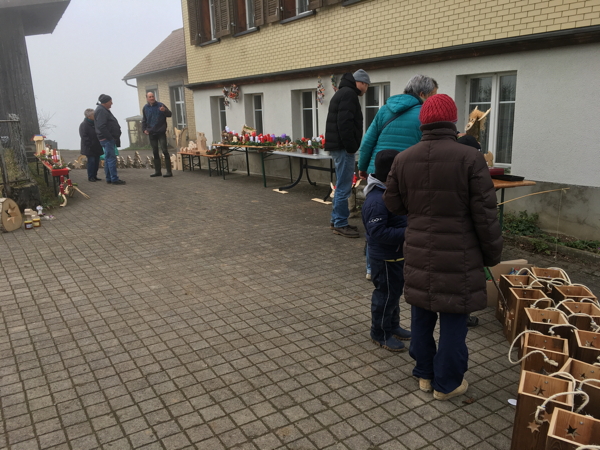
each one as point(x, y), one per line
point(453, 232)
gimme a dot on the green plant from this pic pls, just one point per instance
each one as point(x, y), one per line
point(541, 246)
point(49, 200)
point(522, 224)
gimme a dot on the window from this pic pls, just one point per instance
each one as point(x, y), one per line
point(497, 91)
point(213, 19)
point(257, 109)
point(310, 114)
point(375, 98)
point(178, 107)
point(222, 114)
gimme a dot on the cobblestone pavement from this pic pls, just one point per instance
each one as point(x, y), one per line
point(203, 313)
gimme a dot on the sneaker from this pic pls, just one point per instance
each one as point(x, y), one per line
point(472, 321)
point(392, 344)
point(108, 182)
point(332, 227)
point(119, 182)
point(456, 392)
point(401, 333)
point(92, 179)
point(97, 179)
point(425, 385)
point(346, 232)
point(368, 277)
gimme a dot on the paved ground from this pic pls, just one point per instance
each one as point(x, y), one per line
point(195, 312)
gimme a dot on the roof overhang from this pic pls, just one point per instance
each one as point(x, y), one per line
point(139, 75)
point(38, 16)
point(575, 36)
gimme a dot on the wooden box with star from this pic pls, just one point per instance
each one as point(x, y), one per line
point(570, 431)
point(588, 346)
point(583, 315)
point(589, 377)
point(529, 431)
point(554, 348)
point(543, 319)
point(518, 299)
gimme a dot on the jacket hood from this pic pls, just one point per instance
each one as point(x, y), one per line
point(401, 103)
point(372, 183)
point(349, 81)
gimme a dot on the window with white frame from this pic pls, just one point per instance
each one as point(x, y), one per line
point(301, 6)
point(250, 23)
point(178, 107)
point(310, 114)
point(375, 98)
point(222, 114)
point(498, 92)
point(257, 111)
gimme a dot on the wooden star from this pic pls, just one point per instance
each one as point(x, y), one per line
point(572, 432)
point(534, 427)
point(583, 376)
point(542, 371)
point(589, 344)
point(538, 391)
point(546, 417)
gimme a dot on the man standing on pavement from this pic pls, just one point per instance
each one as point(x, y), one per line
point(154, 124)
point(108, 131)
point(343, 133)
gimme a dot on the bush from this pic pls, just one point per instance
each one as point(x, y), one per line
point(522, 224)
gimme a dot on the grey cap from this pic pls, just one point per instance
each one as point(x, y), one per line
point(361, 75)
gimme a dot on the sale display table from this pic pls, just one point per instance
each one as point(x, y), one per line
point(56, 174)
point(502, 185)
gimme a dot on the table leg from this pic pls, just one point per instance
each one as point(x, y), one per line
point(290, 161)
point(331, 172)
point(262, 162)
point(247, 163)
point(501, 208)
point(312, 183)
point(283, 188)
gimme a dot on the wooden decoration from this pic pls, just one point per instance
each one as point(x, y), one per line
point(569, 431)
point(547, 274)
point(583, 322)
point(178, 136)
point(588, 346)
point(577, 293)
point(541, 320)
point(581, 372)
point(202, 143)
point(555, 349)
point(518, 299)
point(11, 215)
point(534, 389)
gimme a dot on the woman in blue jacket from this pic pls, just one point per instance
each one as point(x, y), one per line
point(396, 125)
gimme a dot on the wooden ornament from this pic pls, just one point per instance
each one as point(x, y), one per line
point(11, 215)
point(569, 431)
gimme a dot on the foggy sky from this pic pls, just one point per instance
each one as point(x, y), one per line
point(94, 45)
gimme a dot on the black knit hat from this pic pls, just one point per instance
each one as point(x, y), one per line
point(383, 163)
point(104, 99)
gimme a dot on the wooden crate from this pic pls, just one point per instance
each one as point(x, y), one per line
point(542, 320)
point(518, 299)
point(568, 431)
point(583, 371)
point(534, 389)
point(581, 322)
point(577, 293)
point(588, 346)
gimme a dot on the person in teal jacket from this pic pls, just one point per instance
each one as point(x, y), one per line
point(396, 125)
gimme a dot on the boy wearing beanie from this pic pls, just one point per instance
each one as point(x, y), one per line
point(446, 191)
point(385, 236)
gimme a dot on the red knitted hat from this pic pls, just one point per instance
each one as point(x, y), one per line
point(438, 108)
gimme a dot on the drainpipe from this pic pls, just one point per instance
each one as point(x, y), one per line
point(126, 82)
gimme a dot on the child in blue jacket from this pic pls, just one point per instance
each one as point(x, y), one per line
point(385, 237)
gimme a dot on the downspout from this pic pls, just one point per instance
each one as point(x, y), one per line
point(126, 82)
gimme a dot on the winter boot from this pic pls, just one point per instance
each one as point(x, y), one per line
point(157, 172)
point(168, 166)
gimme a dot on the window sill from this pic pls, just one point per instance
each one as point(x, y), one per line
point(213, 41)
point(350, 2)
point(245, 32)
point(298, 17)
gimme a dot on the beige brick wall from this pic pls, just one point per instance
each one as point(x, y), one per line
point(376, 28)
point(164, 95)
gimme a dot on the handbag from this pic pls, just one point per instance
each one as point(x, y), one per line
point(116, 153)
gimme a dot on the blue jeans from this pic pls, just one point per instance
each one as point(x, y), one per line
point(344, 172)
point(388, 279)
point(93, 162)
point(446, 365)
point(110, 160)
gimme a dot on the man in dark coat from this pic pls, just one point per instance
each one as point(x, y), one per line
point(90, 145)
point(108, 131)
point(343, 132)
point(446, 190)
point(154, 124)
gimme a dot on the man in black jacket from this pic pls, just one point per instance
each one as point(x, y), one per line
point(154, 124)
point(108, 131)
point(343, 133)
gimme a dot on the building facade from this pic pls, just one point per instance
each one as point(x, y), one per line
point(533, 63)
point(164, 73)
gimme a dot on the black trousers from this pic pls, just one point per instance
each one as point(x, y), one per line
point(155, 140)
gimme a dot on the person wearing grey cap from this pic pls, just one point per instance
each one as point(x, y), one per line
point(343, 133)
point(108, 131)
